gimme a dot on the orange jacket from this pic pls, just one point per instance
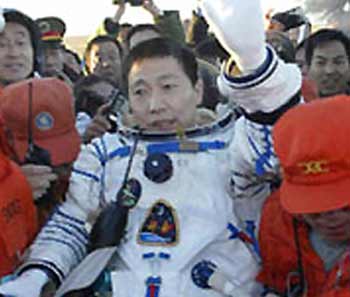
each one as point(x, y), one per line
point(18, 220)
point(279, 256)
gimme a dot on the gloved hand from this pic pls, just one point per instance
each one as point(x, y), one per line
point(28, 284)
point(239, 26)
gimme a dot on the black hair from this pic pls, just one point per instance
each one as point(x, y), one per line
point(323, 36)
point(161, 48)
point(80, 91)
point(98, 40)
point(125, 25)
point(140, 28)
point(15, 16)
point(74, 54)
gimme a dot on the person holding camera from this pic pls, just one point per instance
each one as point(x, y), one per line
point(96, 109)
point(168, 22)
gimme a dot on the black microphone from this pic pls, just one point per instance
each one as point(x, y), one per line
point(109, 228)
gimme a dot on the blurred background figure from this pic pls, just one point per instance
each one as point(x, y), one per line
point(72, 65)
point(19, 48)
point(52, 31)
point(103, 57)
point(293, 23)
point(95, 108)
point(327, 55)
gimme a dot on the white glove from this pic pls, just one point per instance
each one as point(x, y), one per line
point(239, 27)
point(29, 284)
point(220, 283)
point(39, 177)
point(2, 20)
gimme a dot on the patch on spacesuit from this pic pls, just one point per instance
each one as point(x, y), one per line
point(160, 227)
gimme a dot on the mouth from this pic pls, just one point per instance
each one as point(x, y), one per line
point(335, 230)
point(163, 125)
point(13, 67)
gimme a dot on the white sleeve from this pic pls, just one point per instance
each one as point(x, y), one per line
point(62, 242)
point(271, 86)
point(253, 166)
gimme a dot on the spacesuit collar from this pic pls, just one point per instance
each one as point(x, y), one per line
point(189, 133)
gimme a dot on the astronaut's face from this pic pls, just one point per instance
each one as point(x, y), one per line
point(161, 95)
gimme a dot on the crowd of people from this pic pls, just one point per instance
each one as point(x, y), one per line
point(207, 157)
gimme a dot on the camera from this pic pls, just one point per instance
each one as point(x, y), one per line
point(132, 2)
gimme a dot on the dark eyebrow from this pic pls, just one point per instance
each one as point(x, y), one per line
point(340, 57)
point(168, 76)
point(321, 57)
point(138, 82)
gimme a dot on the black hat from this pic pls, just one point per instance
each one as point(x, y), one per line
point(15, 16)
point(52, 31)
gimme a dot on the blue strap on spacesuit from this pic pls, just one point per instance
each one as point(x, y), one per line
point(176, 147)
point(170, 147)
point(247, 236)
point(166, 147)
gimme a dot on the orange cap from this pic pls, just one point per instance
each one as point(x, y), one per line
point(52, 118)
point(313, 144)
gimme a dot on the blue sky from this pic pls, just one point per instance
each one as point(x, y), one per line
point(83, 16)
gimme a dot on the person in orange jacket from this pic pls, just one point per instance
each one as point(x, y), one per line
point(304, 233)
point(18, 218)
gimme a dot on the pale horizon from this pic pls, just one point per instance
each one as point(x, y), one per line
point(82, 19)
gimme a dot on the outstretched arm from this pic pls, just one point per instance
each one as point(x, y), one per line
point(254, 77)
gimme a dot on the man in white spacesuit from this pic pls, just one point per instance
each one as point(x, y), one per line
point(182, 236)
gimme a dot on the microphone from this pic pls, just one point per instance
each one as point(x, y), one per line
point(110, 225)
point(206, 275)
point(109, 228)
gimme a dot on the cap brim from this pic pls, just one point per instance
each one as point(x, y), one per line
point(306, 199)
point(60, 152)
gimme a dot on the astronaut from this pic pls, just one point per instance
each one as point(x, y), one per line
point(183, 236)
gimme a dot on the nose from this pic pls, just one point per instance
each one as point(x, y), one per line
point(156, 102)
point(13, 49)
point(330, 68)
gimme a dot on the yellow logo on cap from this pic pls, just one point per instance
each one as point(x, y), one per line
point(314, 167)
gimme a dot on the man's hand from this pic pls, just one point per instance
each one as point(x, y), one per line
point(39, 177)
point(151, 7)
point(99, 124)
point(120, 11)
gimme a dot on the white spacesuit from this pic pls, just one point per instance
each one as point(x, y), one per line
point(185, 226)
point(175, 224)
